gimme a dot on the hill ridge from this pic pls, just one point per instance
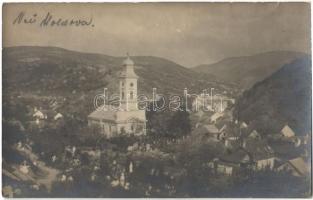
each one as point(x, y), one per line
point(247, 70)
point(280, 99)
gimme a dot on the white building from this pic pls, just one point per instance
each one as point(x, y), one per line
point(214, 103)
point(39, 114)
point(296, 166)
point(287, 132)
point(127, 119)
point(58, 116)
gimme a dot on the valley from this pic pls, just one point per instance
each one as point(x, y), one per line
point(243, 136)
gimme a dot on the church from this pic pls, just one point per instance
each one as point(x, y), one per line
point(128, 119)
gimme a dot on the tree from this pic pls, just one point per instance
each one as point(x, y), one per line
point(168, 123)
point(179, 125)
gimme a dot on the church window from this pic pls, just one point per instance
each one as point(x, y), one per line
point(123, 95)
point(131, 84)
point(131, 95)
point(122, 83)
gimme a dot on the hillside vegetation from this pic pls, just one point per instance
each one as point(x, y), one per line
point(245, 71)
point(51, 69)
point(283, 98)
point(73, 78)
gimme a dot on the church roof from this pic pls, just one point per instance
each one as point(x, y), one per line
point(101, 114)
point(128, 70)
point(128, 61)
point(110, 115)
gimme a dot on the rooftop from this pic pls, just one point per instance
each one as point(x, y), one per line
point(128, 70)
point(128, 61)
point(287, 131)
point(300, 165)
point(236, 156)
point(258, 149)
point(102, 114)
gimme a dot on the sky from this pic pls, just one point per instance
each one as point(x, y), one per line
point(186, 33)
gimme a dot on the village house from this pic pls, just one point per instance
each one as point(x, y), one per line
point(287, 132)
point(250, 133)
point(221, 127)
point(41, 115)
point(209, 130)
point(296, 141)
point(226, 168)
point(38, 114)
point(243, 125)
point(254, 155)
point(211, 102)
point(127, 119)
point(296, 166)
point(304, 139)
point(230, 163)
point(260, 152)
point(202, 103)
point(216, 116)
point(58, 116)
point(230, 134)
point(254, 134)
point(285, 150)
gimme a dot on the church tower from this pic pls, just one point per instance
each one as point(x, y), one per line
point(128, 86)
point(128, 119)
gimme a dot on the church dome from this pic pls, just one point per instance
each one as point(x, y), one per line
point(128, 61)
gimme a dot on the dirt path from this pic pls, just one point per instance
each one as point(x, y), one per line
point(50, 174)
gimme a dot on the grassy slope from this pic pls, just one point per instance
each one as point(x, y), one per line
point(283, 98)
point(248, 70)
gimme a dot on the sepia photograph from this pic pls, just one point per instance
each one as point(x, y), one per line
point(156, 100)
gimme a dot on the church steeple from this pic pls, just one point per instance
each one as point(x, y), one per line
point(128, 85)
point(128, 61)
point(128, 68)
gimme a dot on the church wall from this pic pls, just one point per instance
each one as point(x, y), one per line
point(106, 128)
point(128, 119)
point(130, 127)
point(126, 115)
point(114, 129)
